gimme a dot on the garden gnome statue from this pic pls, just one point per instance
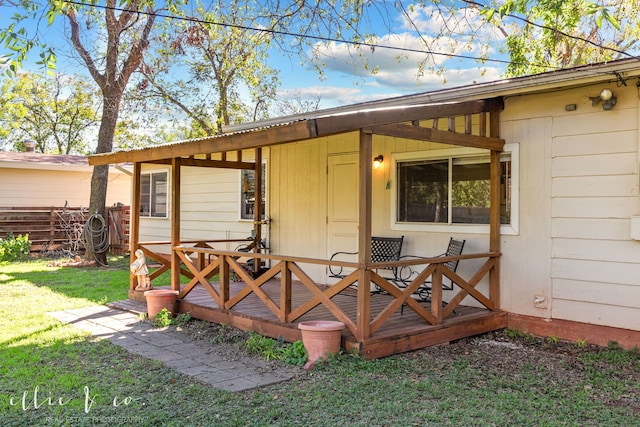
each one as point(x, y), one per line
point(139, 269)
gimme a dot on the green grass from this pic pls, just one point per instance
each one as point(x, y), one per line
point(84, 381)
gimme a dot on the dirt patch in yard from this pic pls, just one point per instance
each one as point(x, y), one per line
point(496, 356)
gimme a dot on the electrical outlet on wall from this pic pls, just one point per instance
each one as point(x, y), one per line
point(540, 301)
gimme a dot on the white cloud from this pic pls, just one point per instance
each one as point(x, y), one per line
point(331, 95)
point(428, 50)
point(442, 56)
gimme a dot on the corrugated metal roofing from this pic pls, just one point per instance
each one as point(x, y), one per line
point(545, 82)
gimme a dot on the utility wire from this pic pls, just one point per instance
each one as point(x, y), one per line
point(372, 46)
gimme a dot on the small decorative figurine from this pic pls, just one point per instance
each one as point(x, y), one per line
point(140, 270)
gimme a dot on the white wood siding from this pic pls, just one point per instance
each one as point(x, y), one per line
point(33, 187)
point(299, 202)
point(595, 264)
point(210, 206)
point(526, 264)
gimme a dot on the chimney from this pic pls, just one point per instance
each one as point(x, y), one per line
point(30, 146)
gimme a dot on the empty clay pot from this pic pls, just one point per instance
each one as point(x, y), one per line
point(320, 338)
point(158, 299)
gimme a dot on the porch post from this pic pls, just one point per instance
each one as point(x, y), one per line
point(364, 236)
point(134, 232)
point(257, 207)
point(494, 219)
point(175, 222)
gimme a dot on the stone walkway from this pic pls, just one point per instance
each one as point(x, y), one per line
point(176, 349)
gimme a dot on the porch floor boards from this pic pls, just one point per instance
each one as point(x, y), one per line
point(401, 333)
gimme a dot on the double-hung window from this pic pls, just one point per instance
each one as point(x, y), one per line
point(450, 188)
point(153, 194)
point(247, 193)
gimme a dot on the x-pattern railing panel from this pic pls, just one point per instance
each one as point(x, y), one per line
point(321, 295)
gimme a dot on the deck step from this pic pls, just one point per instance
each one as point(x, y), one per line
point(131, 306)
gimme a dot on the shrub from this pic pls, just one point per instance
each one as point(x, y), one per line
point(14, 248)
point(270, 349)
point(164, 318)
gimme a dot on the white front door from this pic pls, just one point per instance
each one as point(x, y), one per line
point(342, 205)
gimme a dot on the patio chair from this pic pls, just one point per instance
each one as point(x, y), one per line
point(423, 293)
point(383, 249)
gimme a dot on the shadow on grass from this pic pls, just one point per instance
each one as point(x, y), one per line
point(96, 284)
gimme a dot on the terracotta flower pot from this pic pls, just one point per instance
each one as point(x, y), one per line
point(320, 338)
point(158, 299)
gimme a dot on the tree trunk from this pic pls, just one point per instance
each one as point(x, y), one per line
point(95, 234)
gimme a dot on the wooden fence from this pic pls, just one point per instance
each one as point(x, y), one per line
point(58, 230)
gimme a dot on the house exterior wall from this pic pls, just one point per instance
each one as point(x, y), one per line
point(298, 202)
point(578, 190)
point(24, 187)
point(570, 254)
point(299, 192)
point(595, 264)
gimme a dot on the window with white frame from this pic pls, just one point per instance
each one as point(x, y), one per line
point(452, 189)
point(247, 193)
point(153, 194)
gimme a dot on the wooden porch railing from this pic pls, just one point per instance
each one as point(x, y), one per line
point(163, 259)
point(201, 262)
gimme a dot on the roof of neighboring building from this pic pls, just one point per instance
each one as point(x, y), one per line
point(35, 160)
point(39, 158)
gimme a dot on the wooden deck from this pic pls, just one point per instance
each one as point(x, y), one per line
point(405, 331)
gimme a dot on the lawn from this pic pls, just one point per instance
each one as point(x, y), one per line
point(55, 375)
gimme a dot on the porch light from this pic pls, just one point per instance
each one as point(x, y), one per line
point(607, 99)
point(377, 161)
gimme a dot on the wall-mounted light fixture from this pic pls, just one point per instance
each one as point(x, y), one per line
point(606, 97)
point(377, 161)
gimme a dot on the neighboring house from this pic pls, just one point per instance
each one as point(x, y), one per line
point(32, 179)
point(47, 197)
point(569, 192)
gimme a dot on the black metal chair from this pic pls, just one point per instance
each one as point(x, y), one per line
point(423, 293)
point(454, 248)
point(383, 249)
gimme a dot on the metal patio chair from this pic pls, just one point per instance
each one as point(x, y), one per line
point(383, 249)
point(423, 293)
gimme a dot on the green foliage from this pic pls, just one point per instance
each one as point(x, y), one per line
point(14, 248)
point(164, 318)
point(581, 343)
point(225, 62)
point(270, 349)
point(55, 112)
point(543, 35)
point(294, 354)
point(513, 333)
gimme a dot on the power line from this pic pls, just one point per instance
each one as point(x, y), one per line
point(372, 46)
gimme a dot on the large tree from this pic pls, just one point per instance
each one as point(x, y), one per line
point(111, 41)
point(56, 112)
point(212, 67)
point(544, 35)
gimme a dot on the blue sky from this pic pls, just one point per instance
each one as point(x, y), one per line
point(346, 82)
